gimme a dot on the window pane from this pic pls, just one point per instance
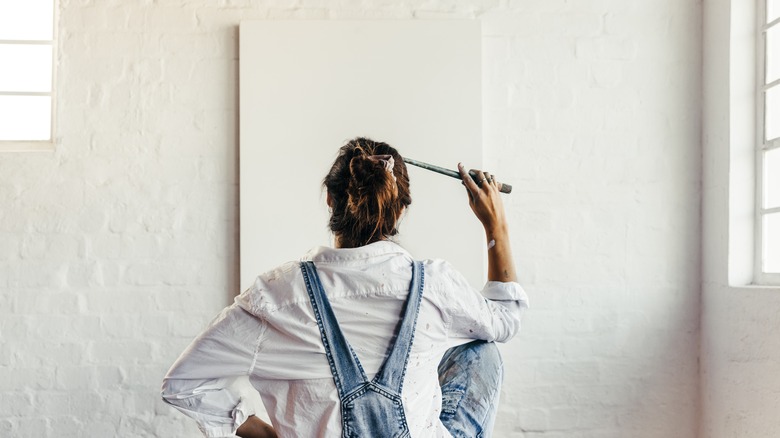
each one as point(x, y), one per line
point(772, 115)
point(25, 67)
point(772, 53)
point(772, 178)
point(772, 243)
point(25, 117)
point(26, 19)
point(772, 10)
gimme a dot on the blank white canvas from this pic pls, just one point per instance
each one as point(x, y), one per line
point(306, 87)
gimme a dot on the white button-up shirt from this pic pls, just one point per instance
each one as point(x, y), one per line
point(270, 334)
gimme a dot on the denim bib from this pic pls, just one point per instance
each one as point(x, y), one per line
point(368, 408)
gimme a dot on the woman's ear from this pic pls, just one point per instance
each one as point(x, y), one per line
point(329, 200)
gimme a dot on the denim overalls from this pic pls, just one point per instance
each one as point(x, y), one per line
point(368, 408)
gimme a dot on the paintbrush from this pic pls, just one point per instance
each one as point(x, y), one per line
point(504, 188)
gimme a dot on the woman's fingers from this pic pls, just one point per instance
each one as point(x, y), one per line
point(467, 181)
point(482, 180)
point(481, 177)
point(486, 181)
point(493, 182)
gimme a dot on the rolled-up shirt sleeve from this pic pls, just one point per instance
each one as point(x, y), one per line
point(492, 314)
point(199, 382)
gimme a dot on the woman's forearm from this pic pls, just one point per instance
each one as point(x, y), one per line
point(501, 266)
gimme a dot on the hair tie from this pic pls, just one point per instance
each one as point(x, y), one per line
point(387, 161)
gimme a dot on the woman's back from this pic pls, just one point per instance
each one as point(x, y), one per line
point(367, 288)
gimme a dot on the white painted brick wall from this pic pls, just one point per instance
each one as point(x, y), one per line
point(119, 246)
point(740, 351)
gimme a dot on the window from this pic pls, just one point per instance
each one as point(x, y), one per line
point(27, 53)
point(768, 154)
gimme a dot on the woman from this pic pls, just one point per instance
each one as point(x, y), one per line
point(360, 339)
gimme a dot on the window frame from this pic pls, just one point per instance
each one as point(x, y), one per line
point(762, 144)
point(38, 145)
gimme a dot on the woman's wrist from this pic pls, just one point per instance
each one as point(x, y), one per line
point(497, 232)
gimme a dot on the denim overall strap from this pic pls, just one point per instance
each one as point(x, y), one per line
point(346, 369)
point(391, 374)
point(368, 409)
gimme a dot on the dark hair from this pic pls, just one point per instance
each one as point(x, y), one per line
point(367, 199)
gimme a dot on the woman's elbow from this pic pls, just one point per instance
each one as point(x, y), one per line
point(170, 393)
point(509, 326)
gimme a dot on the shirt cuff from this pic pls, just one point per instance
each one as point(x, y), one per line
point(218, 432)
point(241, 413)
point(505, 291)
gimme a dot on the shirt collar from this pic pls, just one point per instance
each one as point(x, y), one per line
point(381, 248)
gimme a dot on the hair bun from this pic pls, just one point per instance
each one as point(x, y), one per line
point(371, 186)
point(363, 170)
point(371, 174)
point(369, 189)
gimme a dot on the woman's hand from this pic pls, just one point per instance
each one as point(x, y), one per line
point(486, 203)
point(485, 199)
point(254, 427)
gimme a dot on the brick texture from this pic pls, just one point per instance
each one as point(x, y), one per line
point(119, 246)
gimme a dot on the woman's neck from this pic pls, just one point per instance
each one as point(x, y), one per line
point(339, 243)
